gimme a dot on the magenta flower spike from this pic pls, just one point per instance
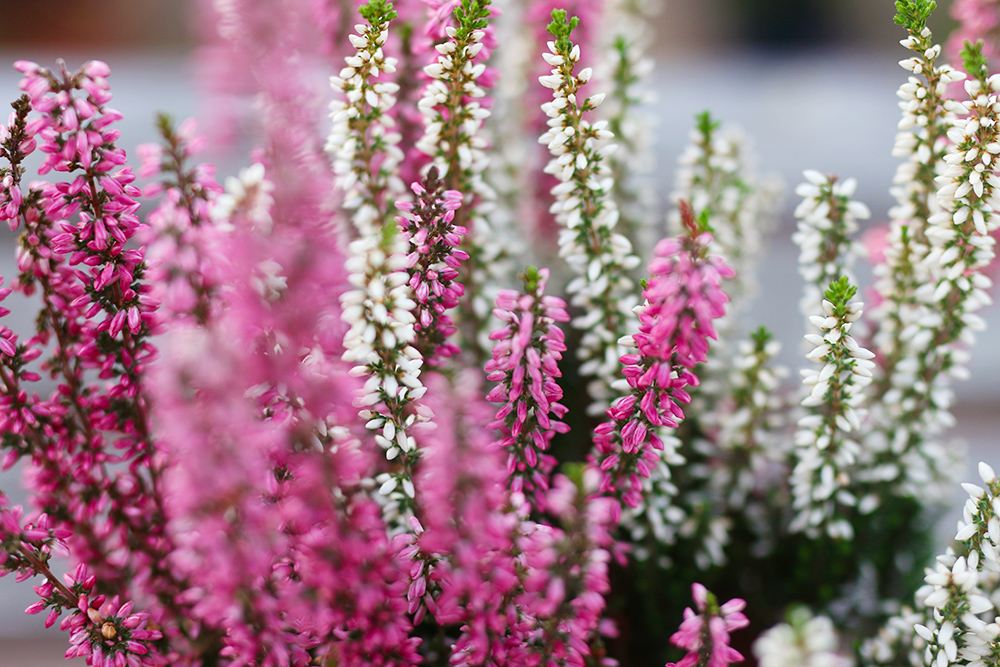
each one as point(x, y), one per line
point(705, 633)
point(469, 534)
point(683, 297)
point(525, 365)
point(978, 20)
point(183, 239)
point(433, 260)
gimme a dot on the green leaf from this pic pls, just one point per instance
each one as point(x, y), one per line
point(761, 337)
point(470, 16)
point(706, 126)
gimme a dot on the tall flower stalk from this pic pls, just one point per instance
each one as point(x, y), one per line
point(825, 448)
point(683, 297)
point(525, 365)
point(599, 256)
point(915, 394)
point(455, 106)
point(363, 141)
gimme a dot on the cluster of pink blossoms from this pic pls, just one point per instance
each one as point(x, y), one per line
point(219, 507)
point(92, 460)
point(683, 297)
point(525, 366)
point(705, 633)
point(433, 262)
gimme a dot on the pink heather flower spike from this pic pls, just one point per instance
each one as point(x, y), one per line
point(433, 260)
point(977, 20)
point(683, 297)
point(183, 240)
point(705, 633)
point(94, 463)
point(525, 365)
point(463, 495)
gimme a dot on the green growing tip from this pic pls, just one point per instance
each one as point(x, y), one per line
point(974, 61)
point(706, 126)
point(839, 294)
point(913, 14)
point(377, 12)
point(562, 28)
point(472, 15)
point(761, 337)
point(703, 225)
point(531, 278)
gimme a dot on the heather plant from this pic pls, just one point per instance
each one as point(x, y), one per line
point(336, 411)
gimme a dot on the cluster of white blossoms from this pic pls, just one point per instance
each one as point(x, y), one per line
point(960, 595)
point(658, 515)
point(379, 312)
point(968, 198)
point(804, 641)
point(828, 218)
point(247, 196)
point(896, 643)
point(454, 138)
point(745, 433)
point(825, 449)
point(362, 141)
point(626, 69)
point(454, 86)
point(934, 339)
point(715, 176)
point(921, 141)
point(601, 257)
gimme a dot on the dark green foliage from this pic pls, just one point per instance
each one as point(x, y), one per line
point(470, 16)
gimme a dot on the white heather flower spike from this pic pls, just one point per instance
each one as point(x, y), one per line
point(379, 311)
point(826, 444)
point(804, 641)
point(584, 208)
point(748, 427)
point(714, 175)
point(362, 140)
point(933, 284)
point(631, 93)
point(828, 218)
point(457, 144)
point(960, 624)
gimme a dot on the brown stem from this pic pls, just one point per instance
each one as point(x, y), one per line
point(41, 568)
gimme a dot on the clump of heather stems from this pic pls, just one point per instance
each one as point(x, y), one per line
point(307, 416)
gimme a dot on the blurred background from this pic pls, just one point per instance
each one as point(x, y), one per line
point(812, 82)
